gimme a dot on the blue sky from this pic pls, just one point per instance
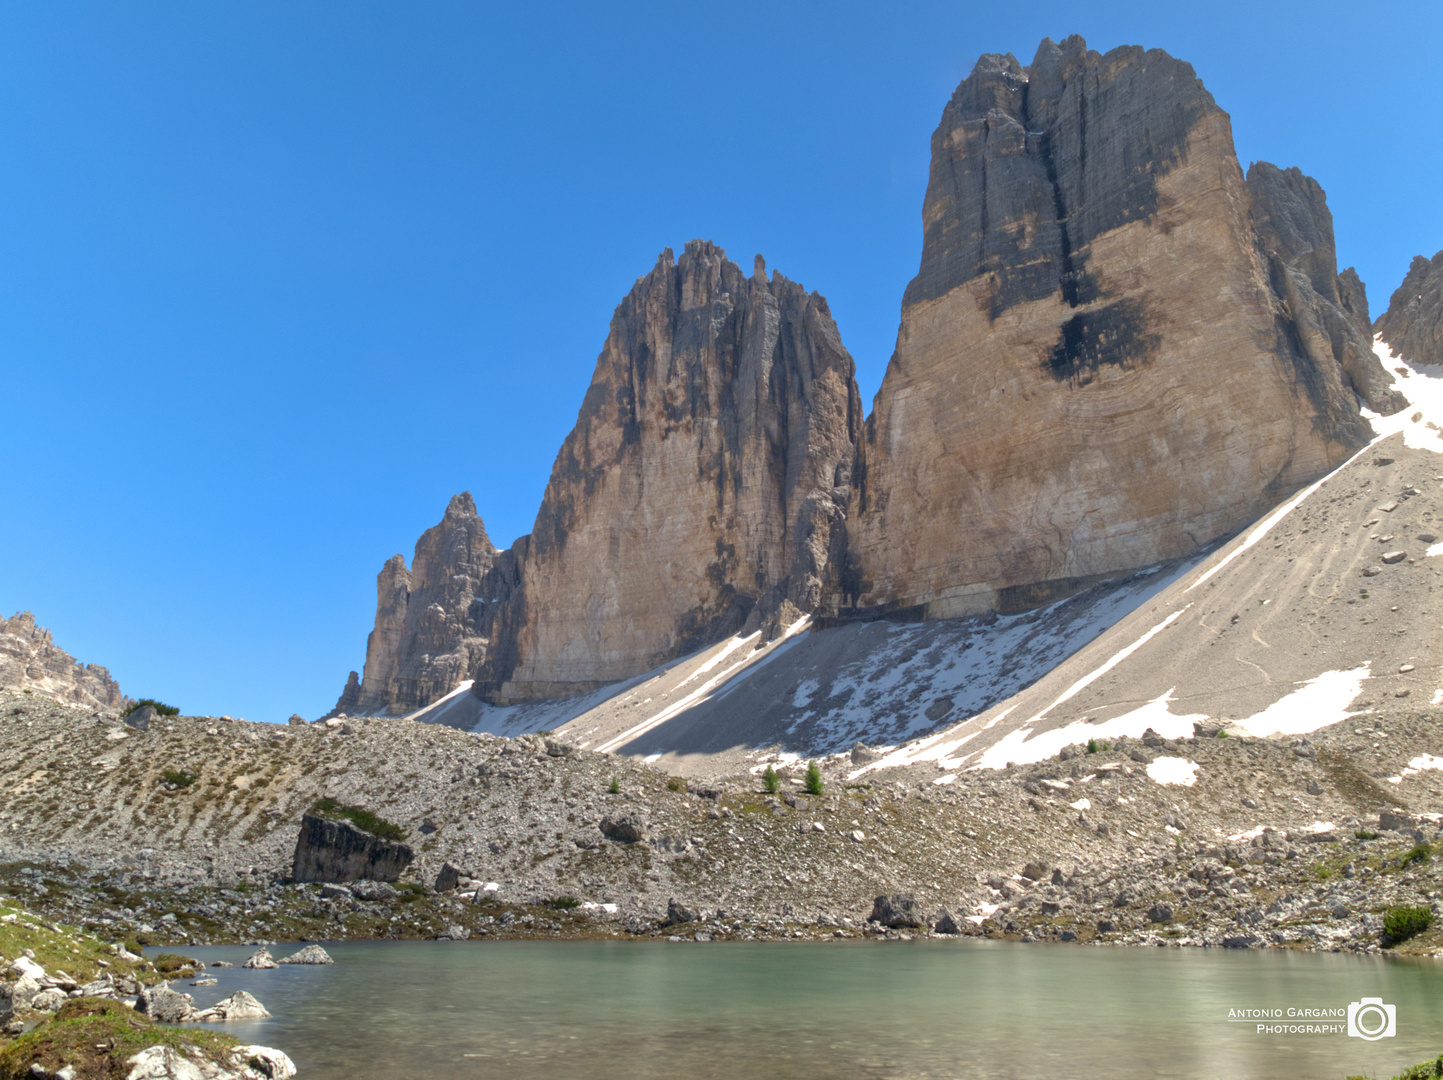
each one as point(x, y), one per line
point(277, 279)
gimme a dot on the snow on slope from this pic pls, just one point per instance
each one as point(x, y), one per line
point(1303, 692)
point(1277, 631)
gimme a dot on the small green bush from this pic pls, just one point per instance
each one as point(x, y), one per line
point(1404, 922)
point(564, 903)
point(770, 783)
point(360, 818)
point(178, 777)
point(813, 783)
point(159, 706)
point(675, 783)
point(1417, 853)
point(1426, 1071)
point(1365, 834)
point(1092, 746)
point(614, 788)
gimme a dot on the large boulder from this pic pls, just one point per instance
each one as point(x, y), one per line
point(239, 1006)
point(898, 911)
point(624, 828)
point(338, 851)
point(164, 1005)
point(311, 954)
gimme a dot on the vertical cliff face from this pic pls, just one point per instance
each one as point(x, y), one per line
point(704, 483)
point(1093, 371)
point(1413, 324)
point(1328, 310)
point(433, 621)
point(30, 660)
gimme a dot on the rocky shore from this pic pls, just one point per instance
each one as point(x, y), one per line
point(186, 833)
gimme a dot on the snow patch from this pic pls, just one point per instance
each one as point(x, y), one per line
point(1173, 770)
point(1018, 748)
point(1424, 388)
point(1319, 703)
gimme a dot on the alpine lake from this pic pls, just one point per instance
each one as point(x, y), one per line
point(925, 1008)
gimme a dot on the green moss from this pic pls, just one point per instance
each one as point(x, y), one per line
point(97, 1035)
point(361, 818)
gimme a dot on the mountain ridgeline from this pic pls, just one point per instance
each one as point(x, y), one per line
point(1117, 349)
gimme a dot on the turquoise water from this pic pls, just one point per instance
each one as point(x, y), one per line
point(422, 1010)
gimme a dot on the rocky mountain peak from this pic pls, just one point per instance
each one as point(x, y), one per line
point(701, 485)
point(1413, 324)
point(30, 661)
point(1328, 311)
point(1094, 371)
point(433, 620)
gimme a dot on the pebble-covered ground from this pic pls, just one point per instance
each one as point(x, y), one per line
point(185, 832)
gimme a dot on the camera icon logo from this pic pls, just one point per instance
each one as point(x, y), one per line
point(1370, 1019)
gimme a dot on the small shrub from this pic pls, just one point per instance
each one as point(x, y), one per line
point(1404, 922)
point(564, 903)
point(1222, 734)
point(360, 818)
point(1092, 746)
point(770, 783)
point(614, 788)
point(178, 777)
point(1365, 834)
point(159, 706)
point(1417, 853)
point(675, 783)
point(813, 783)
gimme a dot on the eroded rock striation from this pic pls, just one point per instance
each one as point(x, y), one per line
point(433, 621)
point(30, 660)
point(1413, 324)
point(1094, 370)
point(704, 483)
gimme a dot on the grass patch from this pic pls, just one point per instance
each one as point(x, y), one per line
point(1418, 853)
point(675, 783)
point(1404, 922)
point(1365, 834)
point(563, 903)
point(97, 1035)
point(57, 949)
point(359, 817)
point(171, 963)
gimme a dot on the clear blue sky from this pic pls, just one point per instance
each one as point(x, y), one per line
point(277, 279)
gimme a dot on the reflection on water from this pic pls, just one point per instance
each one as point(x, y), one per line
point(441, 1010)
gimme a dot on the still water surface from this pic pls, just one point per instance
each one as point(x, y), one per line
point(523, 1010)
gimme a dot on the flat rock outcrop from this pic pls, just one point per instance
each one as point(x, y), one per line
point(703, 485)
point(1413, 324)
point(1094, 370)
point(30, 660)
point(338, 851)
point(433, 621)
